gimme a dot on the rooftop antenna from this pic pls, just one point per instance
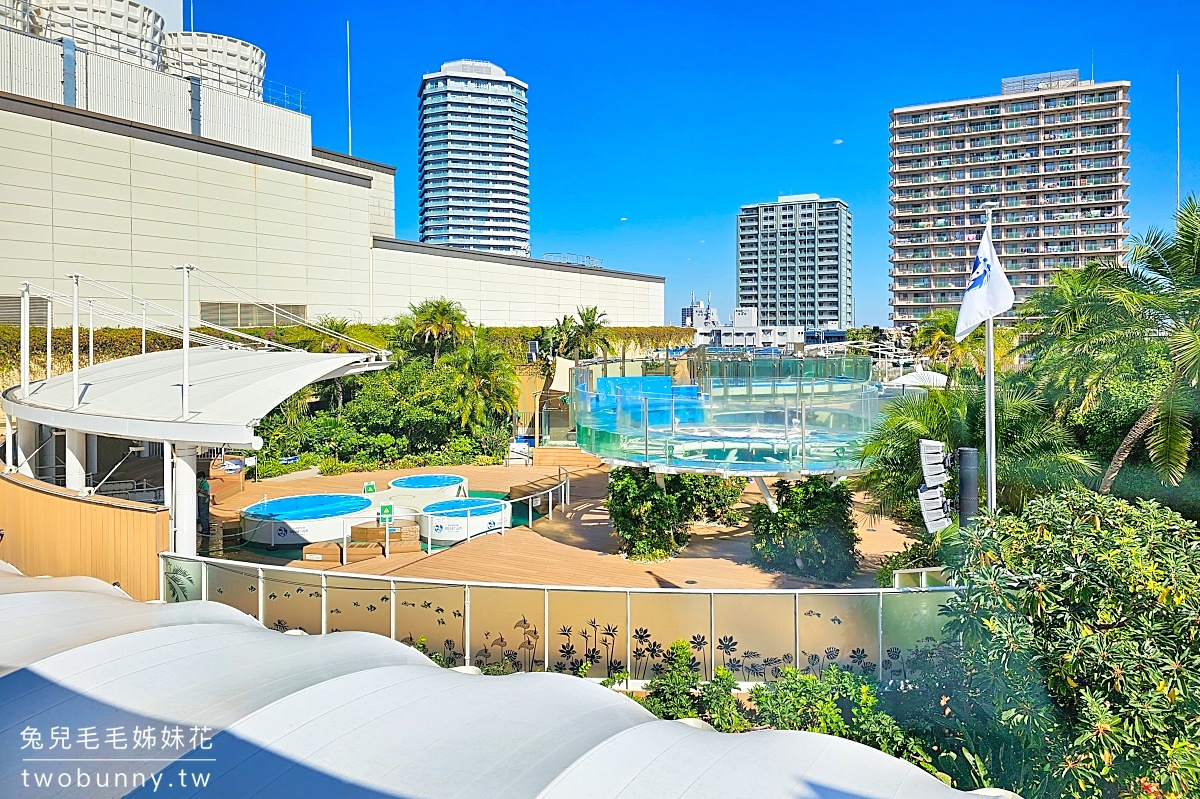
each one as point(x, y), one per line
point(1178, 149)
point(1093, 65)
point(349, 125)
point(192, 10)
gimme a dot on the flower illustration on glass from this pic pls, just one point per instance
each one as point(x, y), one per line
point(858, 656)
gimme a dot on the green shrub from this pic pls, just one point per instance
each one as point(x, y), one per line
point(923, 553)
point(651, 523)
point(716, 704)
point(671, 694)
point(811, 534)
point(835, 703)
point(712, 498)
point(1078, 673)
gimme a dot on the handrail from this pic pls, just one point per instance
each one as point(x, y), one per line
point(238, 565)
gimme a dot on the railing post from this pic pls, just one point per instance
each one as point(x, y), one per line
point(324, 604)
point(194, 94)
point(467, 625)
point(69, 59)
point(531, 511)
point(879, 655)
point(646, 429)
point(204, 581)
point(392, 602)
point(261, 590)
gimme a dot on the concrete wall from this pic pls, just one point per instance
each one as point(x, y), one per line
point(121, 202)
point(509, 290)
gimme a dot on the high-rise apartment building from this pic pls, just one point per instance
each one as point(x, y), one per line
point(474, 159)
point(1051, 149)
point(794, 262)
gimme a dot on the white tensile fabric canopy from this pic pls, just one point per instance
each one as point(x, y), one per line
point(266, 714)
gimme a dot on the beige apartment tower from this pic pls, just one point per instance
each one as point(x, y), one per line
point(1051, 149)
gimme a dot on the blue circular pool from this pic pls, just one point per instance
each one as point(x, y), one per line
point(469, 506)
point(308, 506)
point(452, 520)
point(427, 481)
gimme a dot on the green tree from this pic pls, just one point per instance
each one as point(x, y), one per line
point(484, 381)
point(935, 338)
point(1078, 625)
point(1034, 451)
point(439, 323)
point(1091, 322)
point(591, 334)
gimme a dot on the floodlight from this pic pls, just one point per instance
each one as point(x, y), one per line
point(933, 463)
point(935, 511)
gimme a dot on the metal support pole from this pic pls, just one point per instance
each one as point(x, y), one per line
point(49, 336)
point(187, 335)
point(25, 340)
point(74, 341)
point(968, 485)
point(990, 418)
point(91, 333)
point(143, 328)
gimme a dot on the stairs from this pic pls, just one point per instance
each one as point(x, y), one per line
point(570, 457)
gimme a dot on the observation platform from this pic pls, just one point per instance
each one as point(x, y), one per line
point(778, 417)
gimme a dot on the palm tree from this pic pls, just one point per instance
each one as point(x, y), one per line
point(439, 322)
point(1034, 452)
point(484, 380)
point(592, 334)
point(1092, 322)
point(935, 339)
point(336, 343)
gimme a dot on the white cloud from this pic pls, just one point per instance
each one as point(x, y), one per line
point(837, 141)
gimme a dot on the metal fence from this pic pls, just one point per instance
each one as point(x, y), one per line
point(753, 633)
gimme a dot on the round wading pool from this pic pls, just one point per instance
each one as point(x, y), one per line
point(453, 520)
point(300, 520)
point(421, 489)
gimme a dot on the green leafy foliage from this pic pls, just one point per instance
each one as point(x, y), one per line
point(835, 703)
point(921, 553)
point(812, 533)
point(1077, 672)
point(671, 694)
point(652, 522)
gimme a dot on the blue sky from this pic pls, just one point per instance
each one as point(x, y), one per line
point(672, 115)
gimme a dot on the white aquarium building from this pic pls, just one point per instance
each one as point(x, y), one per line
point(128, 145)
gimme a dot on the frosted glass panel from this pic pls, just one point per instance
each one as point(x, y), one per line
point(910, 626)
point(181, 580)
point(756, 634)
point(588, 625)
point(234, 586)
point(435, 613)
point(508, 624)
point(293, 601)
point(660, 619)
point(841, 629)
point(358, 604)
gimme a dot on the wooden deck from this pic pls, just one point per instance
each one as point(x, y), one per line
point(575, 548)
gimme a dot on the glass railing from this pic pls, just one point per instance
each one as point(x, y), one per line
point(761, 417)
point(755, 634)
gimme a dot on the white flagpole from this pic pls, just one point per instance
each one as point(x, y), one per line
point(990, 391)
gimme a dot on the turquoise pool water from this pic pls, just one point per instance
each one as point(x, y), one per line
point(308, 506)
point(461, 508)
point(427, 481)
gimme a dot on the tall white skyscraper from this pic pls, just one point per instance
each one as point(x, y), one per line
point(474, 159)
point(1051, 149)
point(794, 262)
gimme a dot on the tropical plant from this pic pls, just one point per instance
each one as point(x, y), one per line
point(1078, 648)
point(835, 703)
point(439, 323)
point(652, 521)
point(591, 333)
point(1092, 322)
point(484, 381)
point(670, 695)
point(1034, 452)
point(935, 339)
point(812, 531)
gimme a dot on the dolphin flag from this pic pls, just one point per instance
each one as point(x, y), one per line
point(988, 292)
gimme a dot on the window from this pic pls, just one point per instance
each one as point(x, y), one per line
point(234, 314)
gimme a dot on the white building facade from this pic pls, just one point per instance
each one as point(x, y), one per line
point(1051, 149)
point(795, 260)
point(116, 171)
point(473, 159)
